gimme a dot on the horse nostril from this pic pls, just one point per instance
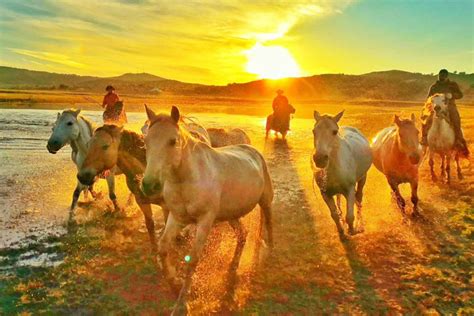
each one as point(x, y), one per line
point(437, 108)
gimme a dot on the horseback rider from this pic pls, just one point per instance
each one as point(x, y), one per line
point(282, 110)
point(452, 92)
point(114, 111)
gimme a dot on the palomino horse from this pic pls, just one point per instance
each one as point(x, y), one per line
point(113, 146)
point(74, 129)
point(441, 137)
point(220, 137)
point(341, 160)
point(202, 185)
point(397, 153)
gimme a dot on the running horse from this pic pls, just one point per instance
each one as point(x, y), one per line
point(441, 137)
point(112, 146)
point(340, 161)
point(202, 185)
point(397, 154)
point(74, 129)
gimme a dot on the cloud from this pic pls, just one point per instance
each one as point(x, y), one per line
point(112, 37)
point(50, 57)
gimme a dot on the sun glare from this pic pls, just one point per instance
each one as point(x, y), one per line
point(271, 62)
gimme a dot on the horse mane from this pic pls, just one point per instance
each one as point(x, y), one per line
point(130, 142)
point(134, 144)
point(89, 123)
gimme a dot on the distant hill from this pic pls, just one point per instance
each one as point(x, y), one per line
point(382, 85)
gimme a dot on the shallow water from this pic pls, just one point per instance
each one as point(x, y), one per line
point(36, 186)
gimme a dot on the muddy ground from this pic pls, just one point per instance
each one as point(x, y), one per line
point(104, 264)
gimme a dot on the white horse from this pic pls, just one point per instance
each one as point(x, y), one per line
point(397, 153)
point(202, 185)
point(341, 159)
point(220, 137)
point(76, 130)
point(441, 137)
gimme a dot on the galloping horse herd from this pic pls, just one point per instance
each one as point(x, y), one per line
point(203, 176)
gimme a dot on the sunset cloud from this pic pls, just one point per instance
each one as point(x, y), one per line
point(206, 41)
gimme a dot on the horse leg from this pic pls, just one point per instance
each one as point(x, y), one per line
point(414, 197)
point(431, 161)
point(339, 205)
point(172, 229)
point(150, 224)
point(203, 228)
point(358, 200)
point(111, 184)
point(448, 168)
point(443, 173)
point(266, 218)
point(334, 214)
point(400, 200)
point(241, 234)
point(458, 167)
point(75, 196)
point(350, 200)
point(91, 190)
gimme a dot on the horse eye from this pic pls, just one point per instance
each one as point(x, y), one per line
point(334, 132)
point(172, 142)
point(69, 123)
point(105, 147)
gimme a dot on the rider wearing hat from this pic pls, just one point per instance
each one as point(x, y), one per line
point(114, 112)
point(452, 92)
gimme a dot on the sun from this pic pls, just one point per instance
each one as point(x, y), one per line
point(271, 62)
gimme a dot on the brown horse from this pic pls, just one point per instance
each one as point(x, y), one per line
point(397, 154)
point(112, 146)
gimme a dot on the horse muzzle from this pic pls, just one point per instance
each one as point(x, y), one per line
point(321, 160)
point(53, 147)
point(150, 187)
point(87, 176)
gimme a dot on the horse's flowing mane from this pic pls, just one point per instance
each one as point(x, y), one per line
point(133, 144)
point(130, 141)
point(182, 126)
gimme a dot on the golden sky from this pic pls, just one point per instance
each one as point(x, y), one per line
point(218, 42)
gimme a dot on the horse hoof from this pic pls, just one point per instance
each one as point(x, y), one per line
point(460, 176)
point(434, 178)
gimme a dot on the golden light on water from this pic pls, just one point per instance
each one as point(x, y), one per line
point(271, 62)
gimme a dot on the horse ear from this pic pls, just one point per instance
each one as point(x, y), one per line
point(76, 112)
point(338, 116)
point(317, 116)
point(59, 114)
point(413, 118)
point(396, 120)
point(149, 113)
point(175, 114)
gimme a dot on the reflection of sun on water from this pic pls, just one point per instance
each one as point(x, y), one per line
point(271, 62)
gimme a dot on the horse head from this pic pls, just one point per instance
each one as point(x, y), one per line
point(325, 133)
point(102, 153)
point(164, 144)
point(408, 138)
point(439, 103)
point(65, 129)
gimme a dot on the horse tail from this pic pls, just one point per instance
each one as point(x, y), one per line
point(266, 205)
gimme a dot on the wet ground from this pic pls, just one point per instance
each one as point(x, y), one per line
point(395, 265)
